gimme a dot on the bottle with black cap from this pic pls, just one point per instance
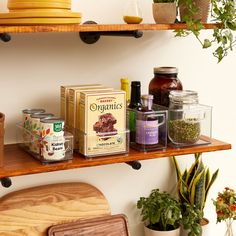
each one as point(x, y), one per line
point(135, 104)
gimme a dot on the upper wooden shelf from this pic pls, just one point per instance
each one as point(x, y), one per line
point(17, 162)
point(95, 27)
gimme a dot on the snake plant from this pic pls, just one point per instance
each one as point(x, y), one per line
point(194, 184)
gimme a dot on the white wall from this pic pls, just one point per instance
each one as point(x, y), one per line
point(33, 66)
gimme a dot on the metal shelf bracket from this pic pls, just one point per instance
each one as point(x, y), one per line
point(136, 165)
point(5, 37)
point(6, 182)
point(93, 37)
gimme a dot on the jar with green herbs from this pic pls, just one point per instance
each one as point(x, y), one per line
point(184, 122)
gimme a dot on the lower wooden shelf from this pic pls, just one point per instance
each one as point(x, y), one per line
point(17, 162)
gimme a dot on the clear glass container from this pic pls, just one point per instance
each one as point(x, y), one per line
point(189, 123)
point(50, 150)
point(132, 13)
point(151, 128)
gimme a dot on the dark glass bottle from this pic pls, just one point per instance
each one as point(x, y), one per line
point(165, 79)
point(147, 124)
point(135, 104)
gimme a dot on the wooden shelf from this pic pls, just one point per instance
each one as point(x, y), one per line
point(17, 162)
point(95, 27)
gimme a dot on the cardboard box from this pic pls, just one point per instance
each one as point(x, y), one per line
point(64, 94)
point(74, 110)
point(102, 123)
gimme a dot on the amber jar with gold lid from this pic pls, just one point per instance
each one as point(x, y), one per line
point(165, 80)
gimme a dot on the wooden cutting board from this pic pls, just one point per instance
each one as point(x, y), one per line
point(30, 212)
point(39, 4)
point(100, 226)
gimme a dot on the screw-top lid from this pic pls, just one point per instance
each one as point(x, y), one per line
point(41, 115)
point(33, 111)
point(135, 83)
point(184, 96)
point(166, 70)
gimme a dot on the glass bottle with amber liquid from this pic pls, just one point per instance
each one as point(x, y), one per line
point(147, 125)
point(135, 105)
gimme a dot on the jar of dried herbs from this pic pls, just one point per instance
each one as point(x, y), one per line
point(184, 125)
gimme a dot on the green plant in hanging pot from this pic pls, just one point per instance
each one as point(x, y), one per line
point(164, 11)
point(160, 212)
point(223, 12)
point(193, 187)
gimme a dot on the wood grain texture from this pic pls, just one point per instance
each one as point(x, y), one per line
point(30, 212)
point(93, 227)
point(95, 28)
point(17, 162)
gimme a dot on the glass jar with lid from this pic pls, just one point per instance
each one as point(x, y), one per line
point(165, 80)
point(187, 120)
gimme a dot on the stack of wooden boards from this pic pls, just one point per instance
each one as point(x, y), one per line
point(31, 12)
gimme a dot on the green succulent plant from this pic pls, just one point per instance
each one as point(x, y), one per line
point(193, 187)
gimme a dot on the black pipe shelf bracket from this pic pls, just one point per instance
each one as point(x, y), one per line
point(5, 37)
point(93, 37)
point(136, 165)
point(6, 182)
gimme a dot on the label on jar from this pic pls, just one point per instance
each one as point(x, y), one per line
point(147, 132)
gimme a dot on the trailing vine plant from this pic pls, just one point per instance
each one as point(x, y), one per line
point(223, 12)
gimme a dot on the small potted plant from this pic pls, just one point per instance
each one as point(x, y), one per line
point(225, 205)
point(223, 12)
point(161, 214)
point(164, 11)
point(193, 187)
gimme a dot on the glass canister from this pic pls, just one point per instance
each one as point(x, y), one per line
point(165, 80)
point(187, 118)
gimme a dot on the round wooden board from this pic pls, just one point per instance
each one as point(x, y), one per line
point(23, 5)
point(30, 212)
point(40, 21)
point(39, 14)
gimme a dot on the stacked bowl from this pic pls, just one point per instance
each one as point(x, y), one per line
point(31, 12)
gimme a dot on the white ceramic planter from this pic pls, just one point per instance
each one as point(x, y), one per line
point(164, 13)
point(150, 232)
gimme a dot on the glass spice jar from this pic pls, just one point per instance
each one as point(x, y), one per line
point(184, 122)
point(165, 80)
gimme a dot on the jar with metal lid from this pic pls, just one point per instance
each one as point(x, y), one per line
point(185, 116)
point(165, 80)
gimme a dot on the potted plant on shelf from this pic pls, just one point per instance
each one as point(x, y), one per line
point(223, 12)
point(161, 214)
point(225, 205)
point(193, 187)
point(164, 11)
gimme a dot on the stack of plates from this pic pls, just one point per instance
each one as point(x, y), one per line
point(31, 12)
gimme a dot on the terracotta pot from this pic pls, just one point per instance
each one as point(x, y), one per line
point(203, 13)
point(150, 232)
point(2, 118)
point(164, 13)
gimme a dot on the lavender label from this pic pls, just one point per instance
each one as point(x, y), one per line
point(147, 132)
